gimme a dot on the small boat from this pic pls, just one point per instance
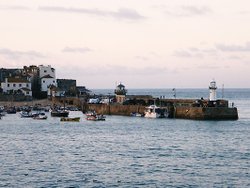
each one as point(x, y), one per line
point(75, 119)
point(26, 114)
point(154, 111)
point(2, 113)
point(11, 110)
point(40, 116)
point(136, 114)
point(95, 117)
point(59, 113)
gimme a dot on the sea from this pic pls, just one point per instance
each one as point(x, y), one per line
point(129, 151)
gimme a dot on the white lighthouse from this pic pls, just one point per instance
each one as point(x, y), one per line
point(212, 91)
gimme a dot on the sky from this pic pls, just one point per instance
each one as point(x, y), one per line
point(141, 43)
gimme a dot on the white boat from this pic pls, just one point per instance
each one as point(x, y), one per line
point(25, 114)
point(152, 111)
point(40, 116)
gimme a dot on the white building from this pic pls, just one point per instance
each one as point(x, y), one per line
point(47, 81)
point(17, 85)
point(46, 70)
point(47, 75)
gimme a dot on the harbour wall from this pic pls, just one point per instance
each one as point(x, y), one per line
point(206, 113)
point(115, 109)
point(179, 112)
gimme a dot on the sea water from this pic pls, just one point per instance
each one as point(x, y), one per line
point(128, 151)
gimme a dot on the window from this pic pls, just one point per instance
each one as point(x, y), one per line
point(53, 81)
point(20, 85)
point(27, 92)
point(27, 85)
point(14, 85)
point(8, 85)
point(45, 71)
point(43, 81)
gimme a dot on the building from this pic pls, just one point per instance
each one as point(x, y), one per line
point(82, 91)
point(54, 91)
point(47, 76)
point(68, 85)
point(6, 73)
point(16, 85)
point(47, 81)
point(46, 70)
point(32, 71)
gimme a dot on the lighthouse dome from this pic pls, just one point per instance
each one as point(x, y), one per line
point(120, 89)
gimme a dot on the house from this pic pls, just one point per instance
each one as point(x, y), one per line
point(46, 70)
point(47, 77)
point(46, 81)
point(6, 73)
point(54, 91)
point(16, 85)
point(82, 91)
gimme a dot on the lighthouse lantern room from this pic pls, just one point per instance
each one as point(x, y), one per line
point(212, 91)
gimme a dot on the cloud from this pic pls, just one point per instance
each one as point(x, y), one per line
point(182, 53)
point(188, 53)
point(76, 50)
point(188, 11)
point(14, 8)
point(20, 54)
point(142, 58)
point(122, 13)
point(233, 48)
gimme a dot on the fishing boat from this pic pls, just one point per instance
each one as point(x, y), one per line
point(153, 111)
point(74, 119)
point(11, 110)
point(40, 116)
point(92, 116)
point(26, 114)
point(59, 113)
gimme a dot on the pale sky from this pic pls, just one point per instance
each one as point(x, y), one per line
point(142, 43)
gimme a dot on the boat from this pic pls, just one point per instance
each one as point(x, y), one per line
point(26, 114)
point(40, 116)
point(92, 116)
point(3, 113)
point(153, 111)
point(74, 119)
point(11, 110)
point(59, 113)
point(136, 114)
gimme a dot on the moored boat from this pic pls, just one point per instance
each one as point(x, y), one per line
point(154, 111)
point(40, 116)
point(26, 114)
point(59, 113)
point(92, 116)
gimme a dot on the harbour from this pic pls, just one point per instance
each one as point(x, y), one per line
point(127, 151)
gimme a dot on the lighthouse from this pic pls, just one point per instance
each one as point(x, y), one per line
point(212, 91)
point(120, 93)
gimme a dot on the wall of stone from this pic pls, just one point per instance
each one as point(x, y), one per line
point(115, 109)
point(209, 113)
